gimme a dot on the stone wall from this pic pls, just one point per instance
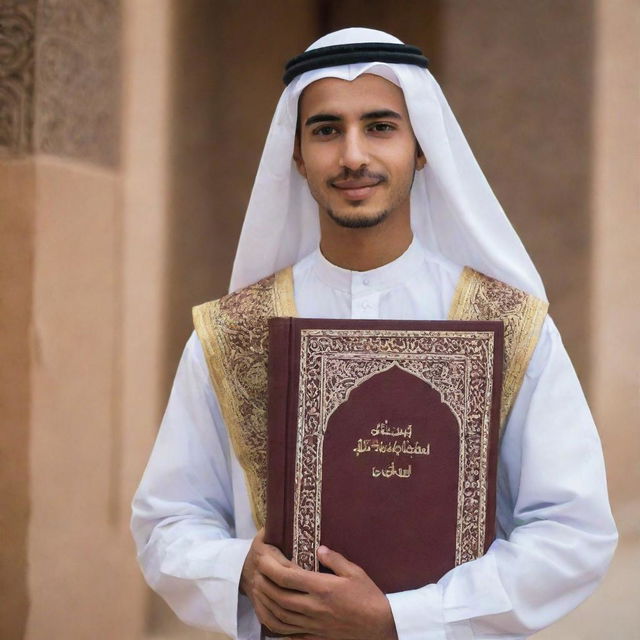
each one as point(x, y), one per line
point(130, 132)
point(67, 276)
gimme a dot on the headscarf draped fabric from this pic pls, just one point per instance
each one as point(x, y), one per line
point(454, 212)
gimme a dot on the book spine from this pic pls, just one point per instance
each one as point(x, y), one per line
point(291, 432)
point(278, 401)
point(492, 462)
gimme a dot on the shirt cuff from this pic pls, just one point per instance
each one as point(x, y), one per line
point(216, 568)
point(418, 613)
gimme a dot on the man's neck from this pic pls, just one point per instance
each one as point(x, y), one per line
point(364, 249)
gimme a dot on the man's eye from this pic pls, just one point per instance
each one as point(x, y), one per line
point(325, 130)
point(381, 127)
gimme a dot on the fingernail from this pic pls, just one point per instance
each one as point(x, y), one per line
point(322, 549)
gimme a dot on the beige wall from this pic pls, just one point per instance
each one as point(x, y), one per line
point(519, 77)
point(122, 189)
point(82, 193)
point(78, 551)
point(615, 268)
point(225, 86)
point(98, 317)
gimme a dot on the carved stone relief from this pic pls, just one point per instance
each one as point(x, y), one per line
point(17, 25)
point(78, 77)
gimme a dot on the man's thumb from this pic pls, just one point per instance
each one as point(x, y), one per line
point(336, 562)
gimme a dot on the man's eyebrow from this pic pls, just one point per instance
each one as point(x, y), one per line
point(381, 113)
point(322, 117)
point(370, 115)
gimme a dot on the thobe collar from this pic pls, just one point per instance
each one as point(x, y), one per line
point(388, 276)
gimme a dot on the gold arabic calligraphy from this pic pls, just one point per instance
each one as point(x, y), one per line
point(390, 471)
point(383, 429)
point(405, 447)
point(401, 445)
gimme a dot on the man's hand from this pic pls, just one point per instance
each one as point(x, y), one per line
point(253, 580)
point(292, 601)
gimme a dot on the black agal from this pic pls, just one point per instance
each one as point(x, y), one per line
point(341, 54)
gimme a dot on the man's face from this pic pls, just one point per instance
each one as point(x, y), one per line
point(356, 149)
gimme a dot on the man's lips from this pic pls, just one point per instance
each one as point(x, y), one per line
point(357, 189)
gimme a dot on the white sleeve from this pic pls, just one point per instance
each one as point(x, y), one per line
point(556, 535)
point(183, 521)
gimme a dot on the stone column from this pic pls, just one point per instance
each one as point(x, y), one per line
point(82, 196)
point(17, 220)
point(79, 583)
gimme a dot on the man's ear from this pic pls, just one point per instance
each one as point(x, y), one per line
point(421, 160)
point(297, 158)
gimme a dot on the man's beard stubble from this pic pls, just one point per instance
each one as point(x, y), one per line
point(357, 222)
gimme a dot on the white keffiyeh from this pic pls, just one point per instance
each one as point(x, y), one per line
point(453, 209)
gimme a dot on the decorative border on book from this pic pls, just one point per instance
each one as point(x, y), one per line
point(234, 334)
point(333, 362)
point(479, 297)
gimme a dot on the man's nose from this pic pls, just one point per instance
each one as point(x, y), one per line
point(354, 151)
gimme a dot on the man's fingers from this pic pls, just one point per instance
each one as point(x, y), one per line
point(277, 555)
point(295, 601)
point(288, 617)
point(270, 620)
point(268, 549)
point(337, 562)
point(287, 576)
point(274, 567)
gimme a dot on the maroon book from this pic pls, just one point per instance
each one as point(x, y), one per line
point(382, 443)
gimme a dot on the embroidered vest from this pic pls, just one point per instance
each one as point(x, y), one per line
point(234, 336)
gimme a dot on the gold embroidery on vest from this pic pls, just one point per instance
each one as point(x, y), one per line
point(234, 335)
point(478, 297)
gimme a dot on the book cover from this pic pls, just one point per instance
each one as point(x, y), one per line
point(382, 443)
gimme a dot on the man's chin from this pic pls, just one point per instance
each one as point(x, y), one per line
point(357, 220)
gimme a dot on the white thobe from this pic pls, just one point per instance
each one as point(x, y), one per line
point(192, 519)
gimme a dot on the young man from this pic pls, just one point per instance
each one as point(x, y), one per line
point(368, 188)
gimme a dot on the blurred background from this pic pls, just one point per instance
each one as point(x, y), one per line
point(130, 132)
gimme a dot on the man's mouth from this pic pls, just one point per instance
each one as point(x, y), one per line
point(356, 188)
